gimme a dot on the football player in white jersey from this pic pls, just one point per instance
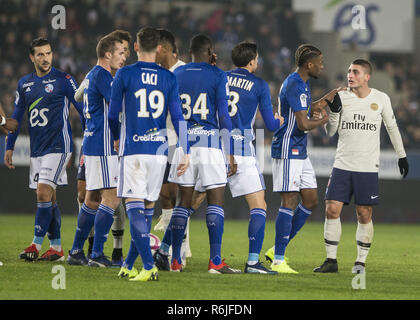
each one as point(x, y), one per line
point(357, 115)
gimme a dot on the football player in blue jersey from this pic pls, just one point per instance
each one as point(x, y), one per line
point(249, 93)
point(204, 93)
point(293, 174)
point(45, 95)
point(144, 92)
point(118, 225)
point(101, 160)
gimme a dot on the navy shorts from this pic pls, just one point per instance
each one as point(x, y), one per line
point(81, 169)
point(344, 184)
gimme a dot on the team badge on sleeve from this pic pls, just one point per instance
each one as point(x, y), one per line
point(303, 100)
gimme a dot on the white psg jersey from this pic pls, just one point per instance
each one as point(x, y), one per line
point(172, 138)
point(358, 126)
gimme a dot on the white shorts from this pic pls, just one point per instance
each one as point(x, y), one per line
point(206, 165)
point(293, 175)
point(49, 169)
point(101, 172)
point(141, 176)
point(248, 177)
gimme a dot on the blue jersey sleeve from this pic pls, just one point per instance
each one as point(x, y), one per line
point(177, 118)
point(266, 108)
point(225, 122)
point(296, 96)
point(71, 88)
point(115, 105)
point(18, 113)
point(103, 84)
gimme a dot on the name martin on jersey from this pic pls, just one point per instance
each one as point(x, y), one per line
point(240, 83)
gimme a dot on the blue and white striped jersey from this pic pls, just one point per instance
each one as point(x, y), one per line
point(289, 142)
point(46, 100)
point(98, 140)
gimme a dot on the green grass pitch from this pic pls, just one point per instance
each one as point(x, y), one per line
point(392, 267)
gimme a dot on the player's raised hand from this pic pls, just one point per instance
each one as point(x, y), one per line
point(279, 117)
point(8, 156)
point(403, 165)
point(183, 165)
point(232, 166)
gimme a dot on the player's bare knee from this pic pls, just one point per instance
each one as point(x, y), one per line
point(364, 214)
point(332, 211)
point(44, 193)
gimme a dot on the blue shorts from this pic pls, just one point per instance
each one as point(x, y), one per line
point(81, 170)
point(344, 184)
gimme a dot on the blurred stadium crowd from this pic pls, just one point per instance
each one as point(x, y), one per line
point(274, 29)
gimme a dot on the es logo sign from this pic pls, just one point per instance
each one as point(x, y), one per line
point(35, 121)
point(358, 18)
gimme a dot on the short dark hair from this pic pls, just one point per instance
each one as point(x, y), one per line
point(365, 64)
point(201, 45)
point(148, 39)
point(306, 52)
point(243, 53)
point(106, 44)
point(168, 37)
point(122, 35)
point(38, 42)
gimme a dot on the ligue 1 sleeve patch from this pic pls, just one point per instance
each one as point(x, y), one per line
point(303, 100)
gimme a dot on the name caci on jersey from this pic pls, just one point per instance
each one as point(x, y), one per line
point(149, 78)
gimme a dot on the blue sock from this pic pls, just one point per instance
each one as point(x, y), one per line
point(179, 221)
point(54, 234)
point(131, 255)
point(43, 218)
point(167, 239)
point(283, 227)
point(139, 232)
point(256, 230)
point(149, 215)
point(215, 219)
point(299, 219)
point(85, 222)
point(103, 222)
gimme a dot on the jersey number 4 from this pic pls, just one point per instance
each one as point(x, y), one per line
point(156, 102)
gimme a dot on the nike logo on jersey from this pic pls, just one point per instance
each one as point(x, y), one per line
point(373, 197)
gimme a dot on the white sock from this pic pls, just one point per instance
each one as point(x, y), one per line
point(332, 234)
point(364, 236)
point(38, 246)
point(56, 247)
